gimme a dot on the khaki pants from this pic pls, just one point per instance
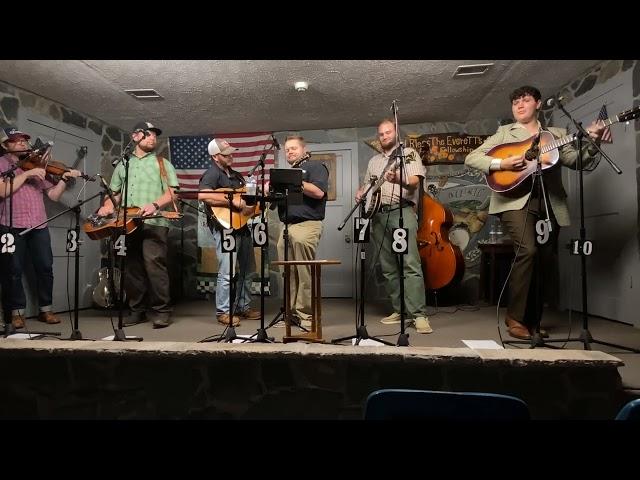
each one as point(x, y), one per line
point(303, 242)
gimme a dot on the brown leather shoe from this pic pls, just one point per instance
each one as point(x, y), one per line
point(224, 319)
point(48, 317)
point(17, 321)
point(517, 329)
point(250, 314)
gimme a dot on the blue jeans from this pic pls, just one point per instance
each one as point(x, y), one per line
point(246, 264)
point(35, 245)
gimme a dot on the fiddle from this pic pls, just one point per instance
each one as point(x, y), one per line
point(52, 167)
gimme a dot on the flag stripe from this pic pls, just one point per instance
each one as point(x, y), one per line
point(606, 134)
point(191, 159)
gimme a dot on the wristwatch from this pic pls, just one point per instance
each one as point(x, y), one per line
point(156, 205)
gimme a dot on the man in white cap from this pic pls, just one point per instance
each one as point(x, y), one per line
point(152, 180)
point(221, 175)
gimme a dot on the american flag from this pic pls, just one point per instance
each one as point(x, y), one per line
point(606, 134)
point(191, 159)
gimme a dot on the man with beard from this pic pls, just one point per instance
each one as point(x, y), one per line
point(221, 175)
point(387, 219)
point(152, 180)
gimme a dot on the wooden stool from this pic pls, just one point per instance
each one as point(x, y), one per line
point(315, 334)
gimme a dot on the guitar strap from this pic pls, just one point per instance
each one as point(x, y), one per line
point(164, 181)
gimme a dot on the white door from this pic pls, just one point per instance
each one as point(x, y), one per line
point(342, 160)
point(80, 149)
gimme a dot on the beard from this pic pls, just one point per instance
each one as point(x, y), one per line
point(146, 148)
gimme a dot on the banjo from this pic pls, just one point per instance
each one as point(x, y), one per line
point(373, 198)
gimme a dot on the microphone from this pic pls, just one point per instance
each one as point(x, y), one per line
point(107, 189)
point(40, 147)
point(394, 106)
point(553, 101)
point(275, 142)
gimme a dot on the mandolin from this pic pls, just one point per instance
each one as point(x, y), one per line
point(505, 180)
point(97, 227)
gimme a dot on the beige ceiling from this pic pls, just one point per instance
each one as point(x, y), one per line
point(204, 96)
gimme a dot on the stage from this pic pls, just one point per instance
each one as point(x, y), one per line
point(170, 375)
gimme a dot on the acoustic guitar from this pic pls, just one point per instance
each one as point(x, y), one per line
point(97, 227)
point(505, 180)
point(236, 220)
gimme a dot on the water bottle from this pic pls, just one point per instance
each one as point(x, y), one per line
point(251, 190)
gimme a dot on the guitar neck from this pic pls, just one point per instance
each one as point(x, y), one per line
point(571, 137)
point(558, 142)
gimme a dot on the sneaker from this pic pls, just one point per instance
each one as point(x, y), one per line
point(250, 314)
point(47, 317)
point(306, 323)
point(161, 322)
point(224, 319)
point(391, 319)
point(422, 325)
point(17, 321)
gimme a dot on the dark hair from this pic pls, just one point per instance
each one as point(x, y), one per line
point(525, 90)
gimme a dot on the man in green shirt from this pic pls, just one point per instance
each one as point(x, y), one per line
point(151, 188)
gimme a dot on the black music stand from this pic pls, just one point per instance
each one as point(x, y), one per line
point(285, 188)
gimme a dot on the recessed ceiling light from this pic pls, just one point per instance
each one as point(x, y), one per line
point(144, 94)
point(472, 70)
point(301, 86)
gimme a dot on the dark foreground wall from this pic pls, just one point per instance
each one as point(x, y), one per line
point(107, 380)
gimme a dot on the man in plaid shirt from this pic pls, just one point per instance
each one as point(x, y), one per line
point(146, 275)
point(21, 209)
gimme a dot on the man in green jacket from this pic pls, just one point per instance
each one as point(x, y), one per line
point(522, 206)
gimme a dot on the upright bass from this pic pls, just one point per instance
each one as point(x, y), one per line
point(442, 261)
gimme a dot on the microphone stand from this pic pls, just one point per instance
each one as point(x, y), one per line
point(585, 335)
point(403, 338)
point(229, 333)
point(75, 333)
point(118, 334)
point(536, 338)
point(361, 330)
point(359, 203)
point(9, 329)
point(261, 335)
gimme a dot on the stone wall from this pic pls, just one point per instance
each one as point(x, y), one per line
point(112, 380)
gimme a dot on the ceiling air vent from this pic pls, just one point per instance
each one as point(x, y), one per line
point(472, 70)
point(144, 94)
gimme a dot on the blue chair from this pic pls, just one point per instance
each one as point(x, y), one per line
point(400, 404)
point(631, 411)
